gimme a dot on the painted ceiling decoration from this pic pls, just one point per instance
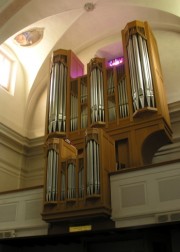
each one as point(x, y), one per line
point(29, 37)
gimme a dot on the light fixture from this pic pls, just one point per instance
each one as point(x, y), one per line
point(89, 6)
point(116, 61)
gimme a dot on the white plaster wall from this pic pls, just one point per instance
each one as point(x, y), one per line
point(12, 107)
point(21, 213)
point(35, 124)
point(169, 51)
point(146, 196)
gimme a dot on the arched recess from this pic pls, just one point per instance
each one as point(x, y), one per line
point(35, 111)
point(151, 144)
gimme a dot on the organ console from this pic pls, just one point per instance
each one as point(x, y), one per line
point(111, 118)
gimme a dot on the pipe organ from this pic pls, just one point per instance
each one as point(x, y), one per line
point(108, 119)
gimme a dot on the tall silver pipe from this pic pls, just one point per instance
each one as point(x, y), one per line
point(56, 97)
point(52, 174)
point(151, 91)
point(81, 178)
point(64, 97)
point(88, 165)
point(56, 175)
point(48, 178)
point(95, 94)
point(133, 75)
point(120, 99)
point(102, 96)
point(144, 69)
point(98, 169)
point(110, 81)
point(69, 181)
point(76, 112)
point(99, 102)
point(53, 190)
point(91, 167)
point(126, 98)
point(93, 176)
point(71, 119)
point(138, 71)
point(60, 104)
point(63, 182)
point(80, 183)
point(92, 96)
point(94, 167)
point(49, 194)
point(97, 99)
point(51, 99)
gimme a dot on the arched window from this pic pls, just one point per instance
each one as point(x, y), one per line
point(7, 70)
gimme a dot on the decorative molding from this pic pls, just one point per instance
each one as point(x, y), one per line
point(22, 160)
point(174, 107)
point(15, 139)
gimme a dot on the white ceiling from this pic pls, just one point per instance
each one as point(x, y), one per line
point(69, 26)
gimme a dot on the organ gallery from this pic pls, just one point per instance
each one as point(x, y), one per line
point(112, 118)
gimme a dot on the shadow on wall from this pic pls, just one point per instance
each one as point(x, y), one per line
point(151, 144)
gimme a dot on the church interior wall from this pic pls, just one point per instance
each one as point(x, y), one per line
point(22, 160)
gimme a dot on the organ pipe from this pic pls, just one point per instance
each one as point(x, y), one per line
point(57, 98)
point(110, 81)
point(123, 99)
point(74, 112)
point(52, 175)
point(93, 169)
point(140, 71)
point(81, 178)
point(97, 95)
point(63, 181)
point(71, 189)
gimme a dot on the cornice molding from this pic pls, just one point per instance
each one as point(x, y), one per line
point(174, 106)
point(174, 110)
point(17, 142)
point(25, 145)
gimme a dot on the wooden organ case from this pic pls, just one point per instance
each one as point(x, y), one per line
point(109, 119)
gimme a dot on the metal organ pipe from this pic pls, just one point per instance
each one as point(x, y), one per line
point(63, 181)
point(140, 87)
point(97, 95)
point(93, 171)
point(133, 75)
point(110, 81)
point(74, 112)
point(140, 72)
point(52, 174)
point(81, 178)
point(57, 98)
point(148, 69)
point(122, 92)
point(71, 190)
